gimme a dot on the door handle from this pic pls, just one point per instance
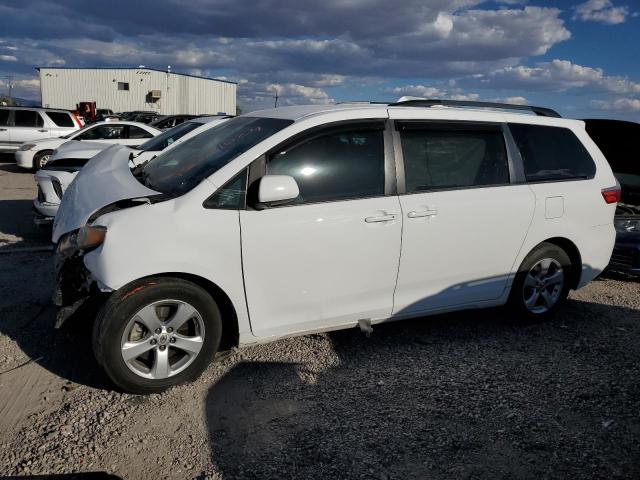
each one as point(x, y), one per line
point(422, 213)
point(381, 218)
point(3, 129)
point(43, 130)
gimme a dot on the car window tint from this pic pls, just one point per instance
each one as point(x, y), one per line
point(551, 153)
point(436, 158)
point(103, 132)
point(137, 132)
point(4, 117)
point(231, 196)
point(27, 118)
point(61, 119)
point(162, 141)
point(336, 166)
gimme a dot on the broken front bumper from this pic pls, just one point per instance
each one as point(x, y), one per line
point(74, 285)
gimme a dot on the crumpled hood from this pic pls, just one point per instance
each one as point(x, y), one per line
point(79, 149)
point(104, 180)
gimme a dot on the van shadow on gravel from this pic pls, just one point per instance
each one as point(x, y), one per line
point(465, 395)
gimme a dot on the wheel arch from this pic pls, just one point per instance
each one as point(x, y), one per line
point(572, 251)
point(230, 326)
point(37, 155)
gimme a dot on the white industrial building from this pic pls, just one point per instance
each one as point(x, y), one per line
point(129, 89)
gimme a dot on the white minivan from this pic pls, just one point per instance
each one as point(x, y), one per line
point(314, 218)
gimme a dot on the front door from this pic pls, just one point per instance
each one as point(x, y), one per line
point(331, 256)
point(464, 222)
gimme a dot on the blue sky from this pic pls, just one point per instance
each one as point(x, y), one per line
point(580, 57)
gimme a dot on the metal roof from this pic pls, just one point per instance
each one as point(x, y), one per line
point(138, 68)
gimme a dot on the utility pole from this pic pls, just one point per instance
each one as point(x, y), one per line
point(275, 105)
point(10, 85)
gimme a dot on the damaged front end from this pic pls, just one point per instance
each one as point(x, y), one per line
point(75, 284)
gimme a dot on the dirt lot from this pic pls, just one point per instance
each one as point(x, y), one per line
point(468, 395)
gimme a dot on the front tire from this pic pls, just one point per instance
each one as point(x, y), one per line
point(156, 333)
point(542, 283)
point(40, 159)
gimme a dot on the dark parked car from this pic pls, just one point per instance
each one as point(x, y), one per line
point(170, 121)
point(618, 141)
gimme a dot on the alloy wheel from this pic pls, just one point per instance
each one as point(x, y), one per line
point(162, 339)
point(543, 285)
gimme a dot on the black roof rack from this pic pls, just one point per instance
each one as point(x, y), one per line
point(540, 111)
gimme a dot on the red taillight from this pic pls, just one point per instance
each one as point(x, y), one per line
point(612, 194)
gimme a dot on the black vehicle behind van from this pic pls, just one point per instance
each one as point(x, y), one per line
point(619, 142)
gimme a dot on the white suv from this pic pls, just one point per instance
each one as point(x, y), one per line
point(314, 218)
point(24, 124)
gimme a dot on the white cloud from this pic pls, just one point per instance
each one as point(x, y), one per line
point(601, 11)
point(255, 95)
point(8, 58)
point(557, 75)
point(425, 91)
point(619, 104)
point(516, 100)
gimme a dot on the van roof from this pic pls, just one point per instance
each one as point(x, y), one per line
point(446, 109)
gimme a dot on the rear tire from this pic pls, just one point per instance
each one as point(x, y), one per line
point(542, 283)
point(40, 159)
point(173, 324)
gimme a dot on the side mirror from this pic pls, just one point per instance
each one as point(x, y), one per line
point(277, 188)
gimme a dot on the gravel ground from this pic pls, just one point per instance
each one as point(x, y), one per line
point(465, 395)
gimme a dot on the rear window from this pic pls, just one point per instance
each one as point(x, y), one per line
point(137, 132)
point(27, 118)
point(179, 169)
point(551, 153)
point(165, 139)
point(61, 119)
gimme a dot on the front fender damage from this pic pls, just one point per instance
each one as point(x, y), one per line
point(74, 286)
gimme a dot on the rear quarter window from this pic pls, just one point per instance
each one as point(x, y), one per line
point(551, 153)
point(61, 119)
point(4, 117)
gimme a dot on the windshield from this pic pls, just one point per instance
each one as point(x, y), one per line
point(165, 139)
point(178, 170)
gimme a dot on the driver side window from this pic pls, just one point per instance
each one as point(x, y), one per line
point(341, 165)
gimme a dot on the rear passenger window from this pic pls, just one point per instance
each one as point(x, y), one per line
point(61, 119)
point(439, 157)
point(336, 166)
point(137, 132)
point(4, 117)
point(103, 132)
point(27, 118)
point(551, 153)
